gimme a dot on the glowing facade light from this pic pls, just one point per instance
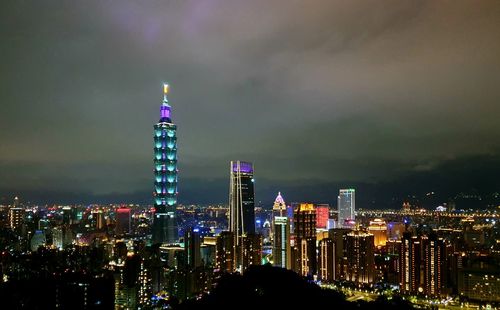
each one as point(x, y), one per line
point(165, 161)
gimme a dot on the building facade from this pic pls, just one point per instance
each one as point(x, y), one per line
point(346, 207)
point(165, 184)
point(326, 260)
point(304, 251)
point(359, 253)
point(281, 242)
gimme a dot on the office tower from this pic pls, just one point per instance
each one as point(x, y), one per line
point(225, 259)
point(251, 250)
point(326, 260)
point(322, 215)
point(98, 219)
point(378, 229)
point(279, 206)
point(338, 237)
point(192, 248)
point(281, 242)
point(360, 257)
point(305, 239)
point(241, 199)
point(67, 213)
point(16, 218)
point(57, 237)
point(410, 264)
point(123, 221)
point(305, 221)
point(346, 207)
point(165, 162)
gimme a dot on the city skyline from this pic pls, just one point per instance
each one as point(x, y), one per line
point(362, 140)
point(411, 101)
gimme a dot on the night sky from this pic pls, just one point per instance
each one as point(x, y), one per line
point(392, 97)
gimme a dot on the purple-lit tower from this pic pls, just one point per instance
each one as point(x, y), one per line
point(165, 192)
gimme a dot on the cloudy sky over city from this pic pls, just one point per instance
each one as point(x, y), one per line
point(318, 94)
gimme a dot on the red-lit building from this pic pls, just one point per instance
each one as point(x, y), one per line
point(322, 215)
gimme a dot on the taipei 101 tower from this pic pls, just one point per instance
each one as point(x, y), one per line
point(165, 173)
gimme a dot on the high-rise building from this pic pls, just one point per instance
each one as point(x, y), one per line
point(225, 259)
point(326, 260)
point(251, 250)
point(322, 215)
point(423, 265)
point(67, 214)
point(16, 218)
point(57, 237)
point(192, 248)
point(305, 239)
point(279, 206)
point(360, 257)
point(123, 221)
point(410, 264)
point(281, 242)
point(165, 160)
point(241, 199)
point(435, 265)
point(338, 235)
point(378, 229)
point(346, 207)
point(98, 221)
point(241, 207)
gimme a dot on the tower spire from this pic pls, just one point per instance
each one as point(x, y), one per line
point(165, 107)
point(165, 92)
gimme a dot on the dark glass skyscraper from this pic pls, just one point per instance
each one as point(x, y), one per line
point(165, 161)
point(241, 199)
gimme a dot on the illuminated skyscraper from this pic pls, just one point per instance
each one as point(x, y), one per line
point(281, 242)
point(279, 206)
point(346, 206)
point(57, 237)
point(326, 260)
point(98, 220)
point(16, 218)
point(225, 256)
point(423, 264)
point(192, 246)
point(359, 251)
point(281, 234)
point(322, 215)
point(304, 219)
point(410, 264)
point(434, 260)
point(123, 219)
point(251, 250)
point(165, 161)
point(378, 228)
point(241, 205)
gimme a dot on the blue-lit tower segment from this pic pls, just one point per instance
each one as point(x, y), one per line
point(165, 189)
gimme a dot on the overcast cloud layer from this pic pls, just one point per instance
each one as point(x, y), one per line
point(316, 93)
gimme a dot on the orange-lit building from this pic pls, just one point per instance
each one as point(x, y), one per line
point(378, 229)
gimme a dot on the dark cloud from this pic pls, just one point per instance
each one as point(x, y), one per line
point(317, 94)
